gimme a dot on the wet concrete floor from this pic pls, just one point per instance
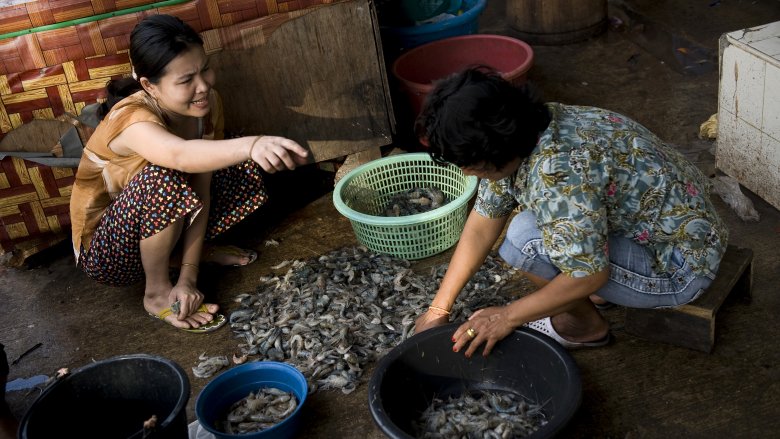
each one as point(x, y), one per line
point(632, 388)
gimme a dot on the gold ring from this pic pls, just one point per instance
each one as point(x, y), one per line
point(471, 332)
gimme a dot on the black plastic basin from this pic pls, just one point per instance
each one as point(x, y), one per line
point(112, 399)
point(526, 363)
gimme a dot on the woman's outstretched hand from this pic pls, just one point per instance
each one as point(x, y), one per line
point(488, 326)
point(275, 153)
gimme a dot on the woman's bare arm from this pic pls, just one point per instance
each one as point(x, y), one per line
point(159, 146)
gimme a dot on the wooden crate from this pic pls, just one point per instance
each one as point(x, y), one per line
point(693, 325)
point(320, 80)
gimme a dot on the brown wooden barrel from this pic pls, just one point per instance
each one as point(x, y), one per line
point(556, 21)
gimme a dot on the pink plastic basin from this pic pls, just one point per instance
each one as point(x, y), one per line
point(417, 69)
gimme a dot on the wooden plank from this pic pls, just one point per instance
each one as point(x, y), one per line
point(40, 135)
point(318, 79)
point(693, 325)
point(673, 327)
point(354, 160)
point(383, 68)
point(735, 263)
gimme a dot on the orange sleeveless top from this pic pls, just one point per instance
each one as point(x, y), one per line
point(103, 174)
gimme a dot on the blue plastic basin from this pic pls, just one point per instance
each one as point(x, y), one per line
point(235, 384)
point(397, 39)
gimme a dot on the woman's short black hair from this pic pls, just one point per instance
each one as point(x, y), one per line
point(154, 42)
point(476, 116)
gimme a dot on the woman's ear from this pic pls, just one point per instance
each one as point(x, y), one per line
point(147, 85)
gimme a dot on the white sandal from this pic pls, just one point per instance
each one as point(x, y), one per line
point(545, 327)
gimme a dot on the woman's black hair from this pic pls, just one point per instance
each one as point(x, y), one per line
point(476, 116)
point(154, 42)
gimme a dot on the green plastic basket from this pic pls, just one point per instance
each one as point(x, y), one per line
point(362, 194)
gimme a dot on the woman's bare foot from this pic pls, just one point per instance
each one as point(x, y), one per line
point(229, 255)
point(579, 330)
point(599, 303)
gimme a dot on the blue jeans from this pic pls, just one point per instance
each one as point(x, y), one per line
point(632, 281)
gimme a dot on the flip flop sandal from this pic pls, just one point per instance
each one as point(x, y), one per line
point(218, 322)
point(545, 327)
point(232, 250)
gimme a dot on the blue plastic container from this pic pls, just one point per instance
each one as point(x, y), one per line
point(235, 384)
point(421, 10)
point(397, 39)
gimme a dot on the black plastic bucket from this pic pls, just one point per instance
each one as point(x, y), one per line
point(112, 399)
point(526, 363)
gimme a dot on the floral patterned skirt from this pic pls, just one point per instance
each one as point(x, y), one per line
point(153, 200)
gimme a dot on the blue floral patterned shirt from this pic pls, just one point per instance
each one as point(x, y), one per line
point(595, 172)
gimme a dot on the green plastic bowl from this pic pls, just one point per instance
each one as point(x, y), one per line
point(362, 194)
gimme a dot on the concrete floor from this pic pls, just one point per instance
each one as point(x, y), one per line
point(633, 388)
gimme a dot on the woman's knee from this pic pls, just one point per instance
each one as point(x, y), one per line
point(523, 230)
point(160, 189)
point(158, 175)
point(523, 247)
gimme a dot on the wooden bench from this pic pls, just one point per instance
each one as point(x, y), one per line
point(693, 325)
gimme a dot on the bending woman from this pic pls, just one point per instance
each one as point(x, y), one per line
point(606, 209)
point(157, 178)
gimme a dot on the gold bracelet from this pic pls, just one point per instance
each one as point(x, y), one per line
point(252, 148)
point(195, 266)
point(438, 308)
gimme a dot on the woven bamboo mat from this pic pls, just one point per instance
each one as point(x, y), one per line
point(34, 206)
